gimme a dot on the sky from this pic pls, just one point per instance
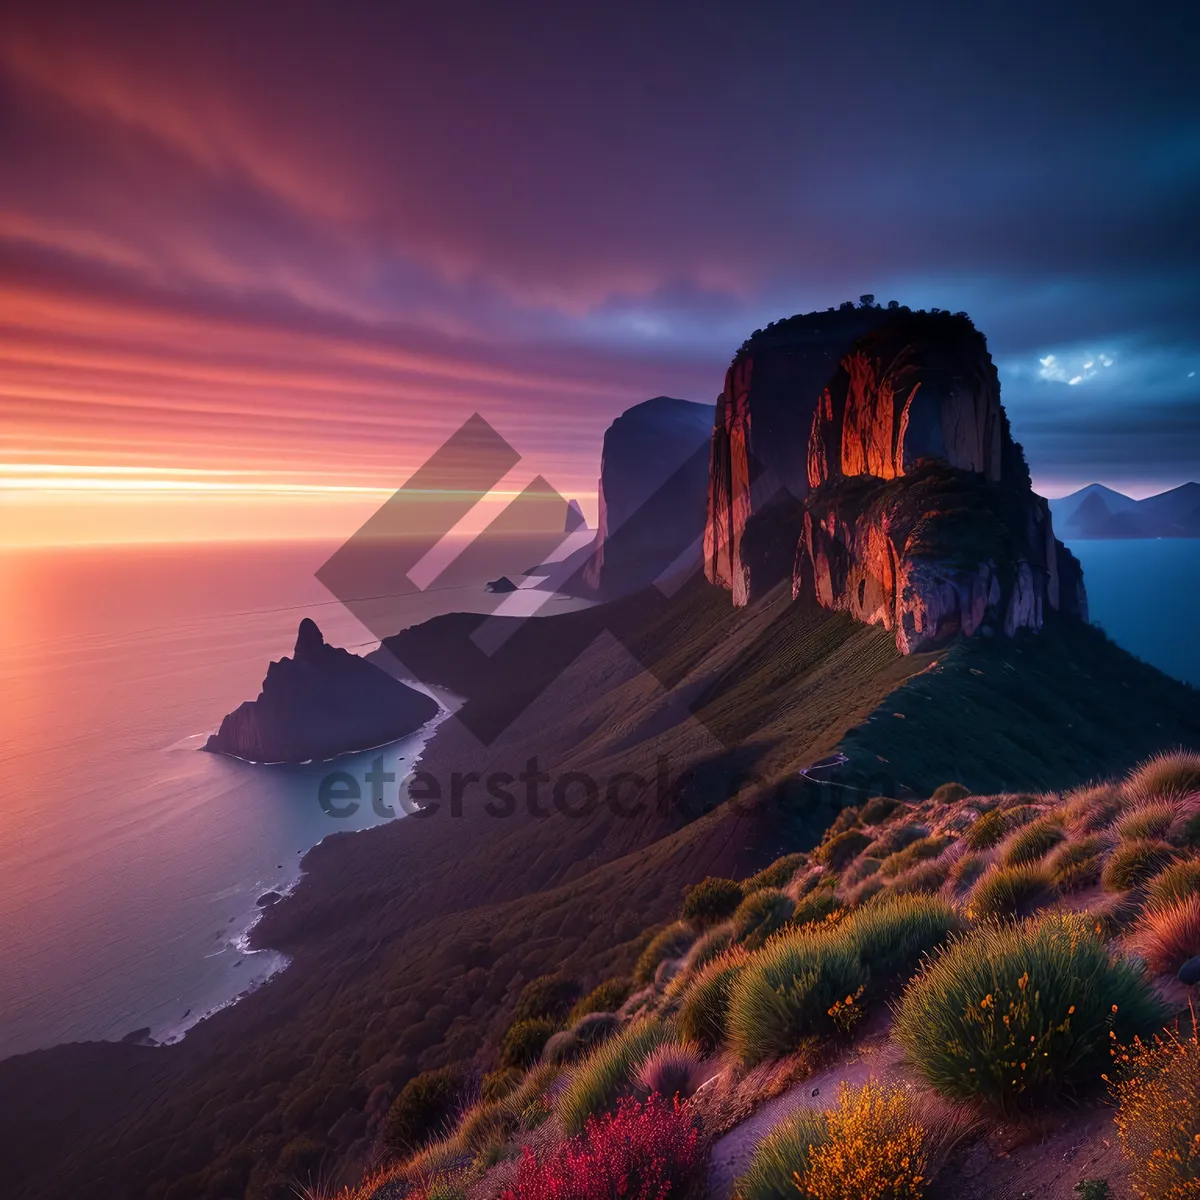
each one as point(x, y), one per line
point(258, 261)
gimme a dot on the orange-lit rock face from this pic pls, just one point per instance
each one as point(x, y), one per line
point(916, 513)
point(936, 553)
point(729, 484)
point(909, 390)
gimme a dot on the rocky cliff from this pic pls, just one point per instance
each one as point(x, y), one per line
point(321, 702)
point(652, 490)
point(910, 505)
point(759, 469)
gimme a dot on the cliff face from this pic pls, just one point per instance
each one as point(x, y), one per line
point(914, 510)
point(760, 444)
point(653, 484)
point(321, 702)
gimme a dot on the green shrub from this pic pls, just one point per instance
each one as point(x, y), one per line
point(548, 997)
point(705, 1004)
point(1179, 881)
point(424, 1106)
point(604, 997)
point(919, 851)
point(572, 1044)
point(1013, 1014)
point(670, 942)
point(967, 868)
point(924, 877)
point(948, 793)
point(1132, 863)
point(761, 914)
point(815, 907)
point(1150, 820)
point(777, 875)
point(862, 892)
point(1011, 892)
point(891, 936)
point(842, 848)
point(524, 1042)
point(1077, 863)
point(878, 809)
point(1174, 773)
point(712, 901)
point(781, 1156)
point(785, 993)
point(607, 1073)
point(1031, 843)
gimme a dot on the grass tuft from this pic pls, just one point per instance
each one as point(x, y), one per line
point(782, 1155)
point(761, 914)
point(1150, 820)
point(1176, 882)
point(705, 1005)
point(1014, 1014)
point(1077, 863)
point(787, 991)
point(1174, 773)
point(1133, 863)
point(1031, 843)
point(711, 901)
point(924, 877)
point(608, 1072)
point(1169, 934)
point(919, 851)
point(1010, 892)
point(670, 942)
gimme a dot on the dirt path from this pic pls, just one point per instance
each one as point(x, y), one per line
point(730, 1156)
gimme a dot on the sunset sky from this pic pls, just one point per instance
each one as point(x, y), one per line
point(257, 261)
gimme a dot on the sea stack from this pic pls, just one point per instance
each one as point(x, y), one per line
point(910, 505)
point(321, 702)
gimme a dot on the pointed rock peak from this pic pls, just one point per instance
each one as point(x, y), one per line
point(575, 518)
point(308, 640)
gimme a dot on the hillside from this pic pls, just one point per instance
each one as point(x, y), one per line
point(411, 942)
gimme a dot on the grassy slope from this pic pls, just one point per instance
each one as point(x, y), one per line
point(410, 941)
point(1047, 711)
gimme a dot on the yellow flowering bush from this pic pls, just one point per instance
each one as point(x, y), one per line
point(875, 1148)
point(1158, 1116)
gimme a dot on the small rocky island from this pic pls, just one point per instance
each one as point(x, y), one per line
point(321, 702)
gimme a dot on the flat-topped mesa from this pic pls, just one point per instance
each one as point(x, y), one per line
point(867, 452)
point(758, 474)
point(921, 516)
point(653, 483)
point(321, 702)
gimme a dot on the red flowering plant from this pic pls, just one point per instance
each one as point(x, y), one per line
point(643, 1151)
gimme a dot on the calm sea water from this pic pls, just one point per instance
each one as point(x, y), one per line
point(1145, 595)
point(130, 864)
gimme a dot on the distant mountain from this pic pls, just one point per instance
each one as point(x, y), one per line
point(1100, 512)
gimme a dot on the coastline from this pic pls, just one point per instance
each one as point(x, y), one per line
point(244, 941)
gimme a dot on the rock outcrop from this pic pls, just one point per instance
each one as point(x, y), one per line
point(321, 702)
point(915, 509)
point(652, 492)
point(759, 469)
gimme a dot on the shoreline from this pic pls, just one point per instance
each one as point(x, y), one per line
point(243, 943)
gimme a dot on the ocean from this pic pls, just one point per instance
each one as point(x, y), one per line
point(130, 864)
